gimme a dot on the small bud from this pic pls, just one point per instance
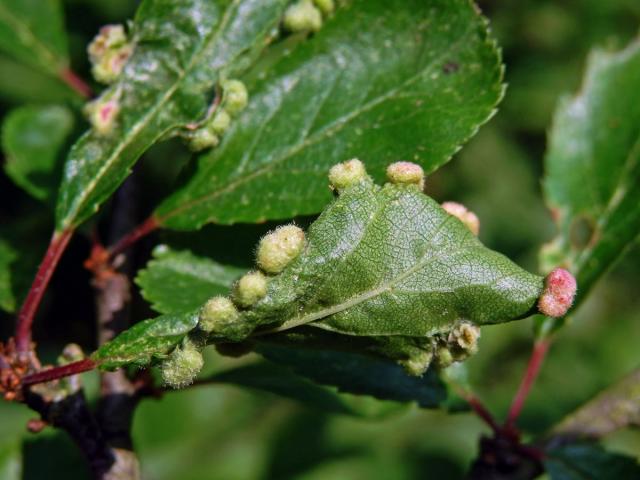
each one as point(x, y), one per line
point(347, 173)
point(417, 364)
point(102, 114)
point(250, 289)
point(558, 294)
point(326, 6)
point(465, 335)
point(201, 139)
point(406, 173)
point(235, 97)
point(183, 365)
point(444, 357)
point(463, 214)
point(216, 314)
point(220, 122)
point(302, 16)
point(278, 248)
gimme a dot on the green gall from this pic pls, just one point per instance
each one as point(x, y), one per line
point(183, 365)
point(302, 16)
point(220, 121)
point(326, 6)
point(202, 139)
point(250, 289)
point(417, 364)
point(235, 97)
point(278, 248)
point(406, 173)
point(347, 173)
point(444, 357)
point(102, 114)
point(216, 314)
point(463, 214)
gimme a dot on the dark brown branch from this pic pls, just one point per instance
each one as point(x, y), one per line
point(119, 397)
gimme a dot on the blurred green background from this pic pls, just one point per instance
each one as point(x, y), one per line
point(223, 432)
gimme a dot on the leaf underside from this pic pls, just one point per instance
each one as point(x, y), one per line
point(383, 270)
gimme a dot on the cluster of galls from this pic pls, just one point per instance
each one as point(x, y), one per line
point(221, 316)
point(207, 135)
point(108, 53)
point(307, 15)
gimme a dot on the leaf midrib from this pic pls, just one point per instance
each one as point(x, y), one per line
point(328, 131)
point(379, 290)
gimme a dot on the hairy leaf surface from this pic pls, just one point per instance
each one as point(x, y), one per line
point(592, 181)
point(385, 80)
point(390, 261)
point(179, 281)
point(32, 139)
point(182, 49)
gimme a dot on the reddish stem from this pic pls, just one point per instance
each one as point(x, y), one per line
point(56, 373)
point(76, 83)
point(142, 230)
point(538, 354)
point(57, 246)
point(482, 412)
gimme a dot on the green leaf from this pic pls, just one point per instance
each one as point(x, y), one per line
point(11, 460)
point(7, 257)
point(390, 261)
point(32, 139)
point(384, 270)
point(270, 377)
point(382, 80)
point(358, 374)
point(592, 180)
point(587, 461)
point(33, 32)
point(153, 338)
point(182, 49)
point(179, 281)
point(616, 407)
